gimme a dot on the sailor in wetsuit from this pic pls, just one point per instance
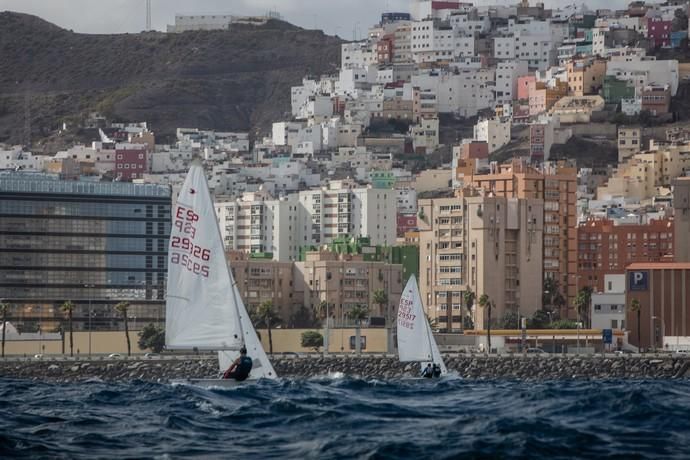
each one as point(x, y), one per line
point(428, 372)
point(437, 370)
point(240, 369)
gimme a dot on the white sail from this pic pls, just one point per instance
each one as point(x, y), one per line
point(415, 340)
point(262, 367)
point(200, 310)
point(435, 353)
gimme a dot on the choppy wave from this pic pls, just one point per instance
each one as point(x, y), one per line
point(347, 418)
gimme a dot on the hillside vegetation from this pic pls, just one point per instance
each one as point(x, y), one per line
point(226, 80)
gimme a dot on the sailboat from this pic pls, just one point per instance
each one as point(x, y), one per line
point(204, 310)
point(415, 340)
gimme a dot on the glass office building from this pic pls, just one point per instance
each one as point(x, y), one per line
point(93, 243)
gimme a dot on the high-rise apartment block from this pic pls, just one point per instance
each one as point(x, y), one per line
point(258, 223)
point(556, 186)
point(487, 244)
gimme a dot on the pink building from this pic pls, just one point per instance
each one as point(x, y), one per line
point(524, 86)
point(537, 99)
point(130, 161)
point(659, 32)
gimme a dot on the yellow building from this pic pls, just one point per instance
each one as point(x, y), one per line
point(586, 76)
point(645, 174)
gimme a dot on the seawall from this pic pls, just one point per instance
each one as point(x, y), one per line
point(537, 367)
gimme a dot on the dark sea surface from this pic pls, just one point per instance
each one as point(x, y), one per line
point(347, 418)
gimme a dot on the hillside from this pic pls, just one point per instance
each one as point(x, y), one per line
point(226, 80)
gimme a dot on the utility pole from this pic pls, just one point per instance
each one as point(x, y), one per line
point(148, 15)
point(27, 120)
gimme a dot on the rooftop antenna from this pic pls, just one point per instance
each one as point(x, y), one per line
point(27, 120)
point(148, 15)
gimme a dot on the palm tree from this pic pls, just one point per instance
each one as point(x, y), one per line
point(636, 307)
point(469, 297)
point(381, 298)
point(68, 307)
point(358, 313)
point(122, 308)
point(485, 302)
point(581, 302)
point(267, 316)
point(3, 310)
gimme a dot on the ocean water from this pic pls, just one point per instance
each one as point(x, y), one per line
point(347, 418)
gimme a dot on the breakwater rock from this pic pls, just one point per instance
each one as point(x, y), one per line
point(470, 367)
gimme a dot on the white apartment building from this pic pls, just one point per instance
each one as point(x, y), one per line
point(343, 209)
point(507, 74)
point(357, 54)
point(425, 135)
point(299, 95)
point(257, 222)
point(494, 131)
point(313, 106)
point(464, 93)
point(430, 44)
point(15, 158)
point(608, 307)
point(504, 47)
point(656, 72)
point(470, 23)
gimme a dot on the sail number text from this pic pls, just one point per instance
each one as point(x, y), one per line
point(185, 220)
point(189, 264)
point(405, 316)
point(186, 244)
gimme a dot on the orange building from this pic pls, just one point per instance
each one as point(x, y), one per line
point(557, 186)
point(605, 248)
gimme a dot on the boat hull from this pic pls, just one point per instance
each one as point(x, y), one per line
point(210, 383)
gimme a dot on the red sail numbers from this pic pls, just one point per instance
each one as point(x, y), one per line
point(185, 251)
point(406, 316)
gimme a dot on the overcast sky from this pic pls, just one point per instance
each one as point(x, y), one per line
point(333, 16)
point(93, 16)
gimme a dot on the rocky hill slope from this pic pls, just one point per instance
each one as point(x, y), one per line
point(226, 80)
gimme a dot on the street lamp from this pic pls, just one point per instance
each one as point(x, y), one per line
point(88, 287)
point(663, 332)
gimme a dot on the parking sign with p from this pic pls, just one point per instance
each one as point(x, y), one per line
point(638, 280)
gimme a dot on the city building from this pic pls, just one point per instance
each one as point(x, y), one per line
point(663, 293)
point(92, 243)
point(481, 243)
point(556, 186)
point(681, 219)
point(648, 173)
point(629, 142)
point(605, 248)
point(259, 223)
point(608, 307)
point(335, 283)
